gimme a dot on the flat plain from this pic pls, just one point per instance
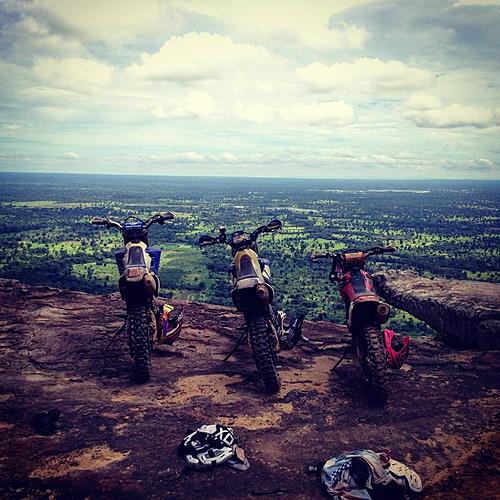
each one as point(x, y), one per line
point(440, 228)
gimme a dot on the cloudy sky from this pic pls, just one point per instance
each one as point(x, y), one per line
point(283, 88)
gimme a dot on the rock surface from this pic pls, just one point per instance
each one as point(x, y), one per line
point(468, 312)
point(117, 439)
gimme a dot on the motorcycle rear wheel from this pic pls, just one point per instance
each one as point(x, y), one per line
point(374, 362)
point(264, 352)
point(139, 337)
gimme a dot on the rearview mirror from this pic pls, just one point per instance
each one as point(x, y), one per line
point(274, 225)
point(164, 217)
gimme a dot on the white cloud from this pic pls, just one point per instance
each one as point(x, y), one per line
point(330, 163)
point(11, 126)
point(454, 115)
point(199, 56)
point(366, 74)
point(333, 112)
point(229, 157)
point(70, 155)
point(74, 73)
point(256, 113)
point(196, 104)
point(188, 156)
point(305, 23)
point(430, 112)
point(423, 102)
point(106, 20)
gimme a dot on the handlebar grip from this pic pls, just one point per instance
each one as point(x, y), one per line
point(98, 221)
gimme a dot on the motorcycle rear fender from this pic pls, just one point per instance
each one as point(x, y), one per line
point(365, 310)
point(255, 297)
point(250, 288)
point(137, 282)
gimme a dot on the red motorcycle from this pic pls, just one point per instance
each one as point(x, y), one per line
point(365, 313)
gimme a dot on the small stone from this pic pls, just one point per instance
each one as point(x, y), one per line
point(405, 368)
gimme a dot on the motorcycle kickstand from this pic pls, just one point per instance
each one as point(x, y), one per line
point(120, 330)
point(238, 343)
point(344, 354)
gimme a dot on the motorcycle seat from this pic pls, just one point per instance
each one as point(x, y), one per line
point(135, 257)
point(246, 268)
point(359, 286)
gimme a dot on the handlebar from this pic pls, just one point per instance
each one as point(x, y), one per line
point(155, 219)
point(367, 253)
point(98, 221)
point(379, 250)
point(326, 255)
point(159, 219)
point(274, 225)
point(206, 240)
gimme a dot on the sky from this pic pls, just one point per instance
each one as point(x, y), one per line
point(378, 89)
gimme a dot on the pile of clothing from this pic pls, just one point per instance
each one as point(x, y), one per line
point(367, 475)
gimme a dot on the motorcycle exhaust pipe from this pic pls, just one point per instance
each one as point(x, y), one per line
point(262, 293)
point(150, 284)
point(383, 311)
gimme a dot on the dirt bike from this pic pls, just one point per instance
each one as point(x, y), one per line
point(253, 295)
point(148, 323)
point(365, 313)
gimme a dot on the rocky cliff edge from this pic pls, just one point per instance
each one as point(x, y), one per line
point(116, 439)
point(467, 312)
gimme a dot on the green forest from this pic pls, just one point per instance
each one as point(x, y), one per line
point(440, 228)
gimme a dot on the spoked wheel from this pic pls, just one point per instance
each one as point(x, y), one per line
point(139, 337)
point(373, 358)
point(264, 352)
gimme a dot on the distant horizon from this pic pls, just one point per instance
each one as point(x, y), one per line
point(346, 179)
